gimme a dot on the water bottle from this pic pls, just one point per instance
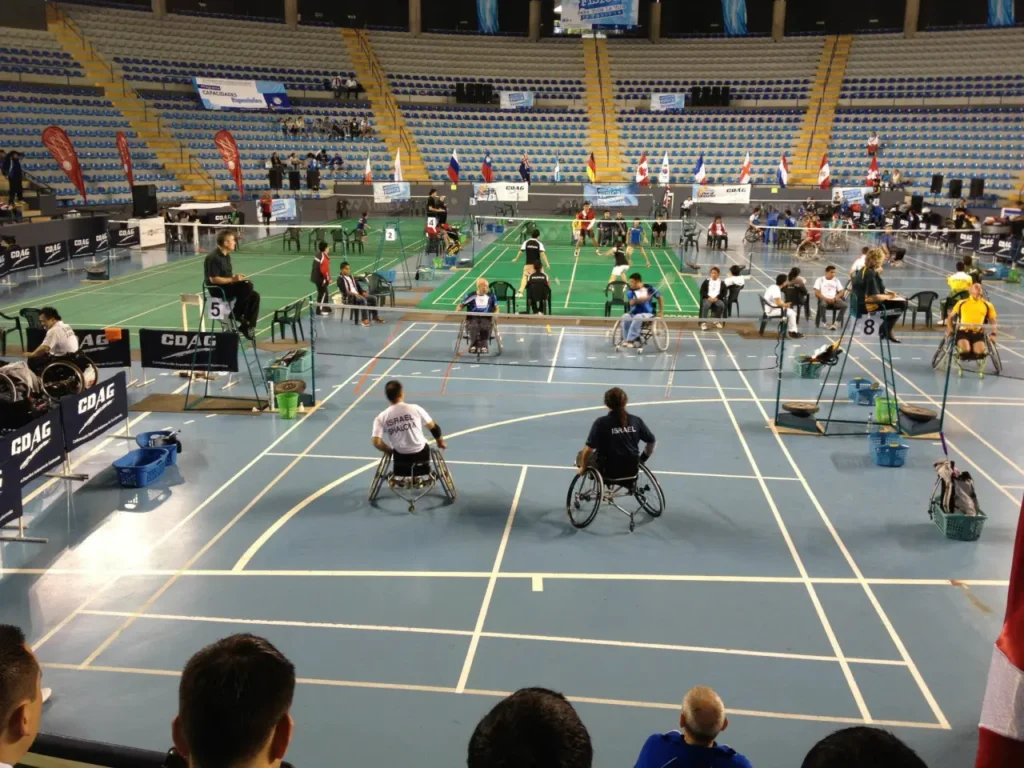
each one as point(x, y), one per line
point(871, 422)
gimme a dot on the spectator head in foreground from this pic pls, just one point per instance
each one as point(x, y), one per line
point(233, 704)
point(694, 745)
point(862, 747)
point(21, 695)
point(532, 728)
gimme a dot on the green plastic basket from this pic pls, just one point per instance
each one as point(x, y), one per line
point(301, 365)
point(276, 373)
point(958, 527)
point(1013, 276)
point(885, 410)
point(807, 369)
point(288, 404)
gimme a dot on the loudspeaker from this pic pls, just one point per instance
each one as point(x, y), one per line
point(725, 96)
point(488, 95)
point(937, 180)
point(294, 180)
point(705, 96)
point(695, 100)
point(956, 187)
point(313, 179)
point(275, 176)
point(143, 200)
point(716, 96)
point(916, 203)
point(977, 187)
point(460, 92)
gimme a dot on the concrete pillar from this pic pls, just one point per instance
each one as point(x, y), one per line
point(910, 18)
point(779, 20)
point(655, 26)
point(415, 17)
point(291, 13)
point(159, 8)
point(534, 21)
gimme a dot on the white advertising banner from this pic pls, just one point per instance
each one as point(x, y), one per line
point(390, 191)
point(722, 193)
point(502, 191)
point(516, 99)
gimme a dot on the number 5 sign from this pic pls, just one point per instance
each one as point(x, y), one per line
point(869, 325)
point(217, 309)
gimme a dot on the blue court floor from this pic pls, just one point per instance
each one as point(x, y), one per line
point(806, 585)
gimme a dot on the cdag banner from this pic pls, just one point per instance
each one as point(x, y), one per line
point(176, 350)
point(738, 194)
point(34, 448)
point(502, 192)
point(391, 191)
point(121, 236)
point(10, 493)
point(94, 411)
point(106, 347)
point(126, 157)
point(229, 153)
point(57, 141)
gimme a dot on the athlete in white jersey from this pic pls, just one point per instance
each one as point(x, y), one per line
point(398, 430)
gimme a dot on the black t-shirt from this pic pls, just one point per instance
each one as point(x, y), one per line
point(532, 248)
point(217, 264)
point(1017, 227)
point(620, 257)
point(536, 278)
point(659, 226)
point(610, 439)
point(866, 283)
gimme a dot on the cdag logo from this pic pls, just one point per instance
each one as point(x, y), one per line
point(96, 401)
point(93, 340)
point(192, 344)
point(81, 245)
point(31, 443)
point(53, 253)
point(102, 241)
point(19, 256)
point(126, 235)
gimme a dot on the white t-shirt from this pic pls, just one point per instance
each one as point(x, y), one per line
point(714, 288)
point(402, 425)
point(858, 265)
point(61, 339)
point(735, 280)
point(828, 288)
point(773, 295)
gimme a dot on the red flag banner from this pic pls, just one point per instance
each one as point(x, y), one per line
point(63, 151)
point(126, 157)
point(229, 152)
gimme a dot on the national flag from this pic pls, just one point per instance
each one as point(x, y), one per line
point(663, 175)
point(368, 173)
point(592, 168)
point(1001, 730)
point(557, 174)
point(487, 169)
point(398, 165)
point(745, 170)
point(700, 175)
point(873, 174)
point(824, 173)
point(453, 168)
point(782, 174)
point(641, 171)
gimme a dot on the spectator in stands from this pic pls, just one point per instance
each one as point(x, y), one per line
point(293, 161)
point(777, 307)
point(830, 294)
point(893, 252)
point(659, 231)
point(219, 274)
point(861, 747)
point(532, 727)
point(337, 162)
point(12, 170)
point(285, 125)
point(717, 236)
point(694, 745)
point(275, 161)
point(352, 87)
point(233, 705)
point(336, 86)
point(352, 293)
point(353, 128)
point(337, 132)
point(897, 179)
point(874, 144)
point(712, 298)
point(365, 129)
point(21, 695)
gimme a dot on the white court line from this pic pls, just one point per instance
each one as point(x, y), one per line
point(671, 706)
point(554, 360)
point(858, 698)
point(893, 634)
point(474, 642)
point(682, 278)
point(572, 281)
point(667, 284)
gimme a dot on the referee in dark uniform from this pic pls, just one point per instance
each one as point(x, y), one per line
point(218, 273)
point(535, 254)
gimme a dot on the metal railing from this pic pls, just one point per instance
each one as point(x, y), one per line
point(381, 78)
point(821, 99)
point(604, 109)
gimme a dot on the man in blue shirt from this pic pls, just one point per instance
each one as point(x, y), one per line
point(640, 298)
point(894, 253)
point(693, 746)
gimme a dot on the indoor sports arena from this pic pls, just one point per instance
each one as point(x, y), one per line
point(520, 383)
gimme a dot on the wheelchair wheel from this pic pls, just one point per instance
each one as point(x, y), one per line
point(942, 353)
point(648, 492)
point(749, 237)
point(379, 475)
point(617, 333)
point(584, 498)
point(443, 475)
point(460, 335)
point(61, 378)
point(993, 354)
point(807, 253)
point(8, 392)
point(496, 335)
point(659, 333)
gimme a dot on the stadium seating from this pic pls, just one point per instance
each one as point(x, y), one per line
point(754, 69)
point(957, 142)
point(544, 134)
point(36, 52)
point(948, 64)
point(177, 48)
point(550, 68)
point(91, 122)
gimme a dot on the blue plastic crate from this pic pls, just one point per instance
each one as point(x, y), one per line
point(151, 440)
point(388, 274)
point(141, 467)
point(489, 227)
point(450, 261)
point(861, 391)
point(891, 453)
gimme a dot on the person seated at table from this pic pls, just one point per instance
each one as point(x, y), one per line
point(712, 298)
point(717, 236)
point(872, 295)
point(972, 314)
point(481, 306)
point(351, 293)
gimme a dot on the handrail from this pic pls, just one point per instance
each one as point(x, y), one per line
point(381, 78)
point(41, 185)
point(604, 111)
point(817, 114)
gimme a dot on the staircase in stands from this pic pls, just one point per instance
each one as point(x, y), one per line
point(387, 115)
point(146, 121)
point(605, 141)
point(815, 135)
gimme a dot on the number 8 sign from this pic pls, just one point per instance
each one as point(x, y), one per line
point(869, 324)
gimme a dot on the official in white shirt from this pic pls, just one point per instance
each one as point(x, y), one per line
point(21, 696)
point(60, 340)
point(829, 290)
point(778, 307)
point(398, 430)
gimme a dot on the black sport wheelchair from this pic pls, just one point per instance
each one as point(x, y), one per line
point(62, 375)
point(412, 481)
point(949, 351)
point(610, 482)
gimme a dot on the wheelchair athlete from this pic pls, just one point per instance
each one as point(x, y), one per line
point(60, 341)
point(615, 437)
point(639, 298)
point(972, 314)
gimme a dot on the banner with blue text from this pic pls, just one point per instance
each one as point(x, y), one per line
point(218, 93)
point(612, 195)
point(516, 99)
point(663, 101)
point(589, 14)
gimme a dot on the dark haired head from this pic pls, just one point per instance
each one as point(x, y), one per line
point(615, 399)
point(735, 270)
point(233, 702)
point(432, 191)
point(536, 266)
point(789, 212)
point(393, 390)
point(19, 687)
point(716, 271)
point(535, 233)
point(830, 268)
point(959, 266)
point(780, 279)
point(366, 213)
point(321, 246)
point(222, 237)
point(861, 747)
point(636, 276)
point(532, 727)
point(50, 313)
point(794, 273)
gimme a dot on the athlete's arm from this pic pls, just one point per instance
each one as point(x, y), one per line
point(435, 431)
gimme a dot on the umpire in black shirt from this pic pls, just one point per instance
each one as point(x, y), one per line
point(219, 275)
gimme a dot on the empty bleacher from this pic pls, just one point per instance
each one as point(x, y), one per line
point(35, 52)
point(431, 65)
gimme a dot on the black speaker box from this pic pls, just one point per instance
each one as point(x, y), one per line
point(956, 188)
point(705, 96)
point(143, 200)
point(977, 187)
point(695, 96)
point(937, 180)
point(725, 96)
point(460, 92)
point(313, 179)
point(916, 203)
point(275, 177)
point(294, 180)
point(716, 96)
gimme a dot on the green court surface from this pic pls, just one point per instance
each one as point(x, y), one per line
point(577, 286)
point(151, 297)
